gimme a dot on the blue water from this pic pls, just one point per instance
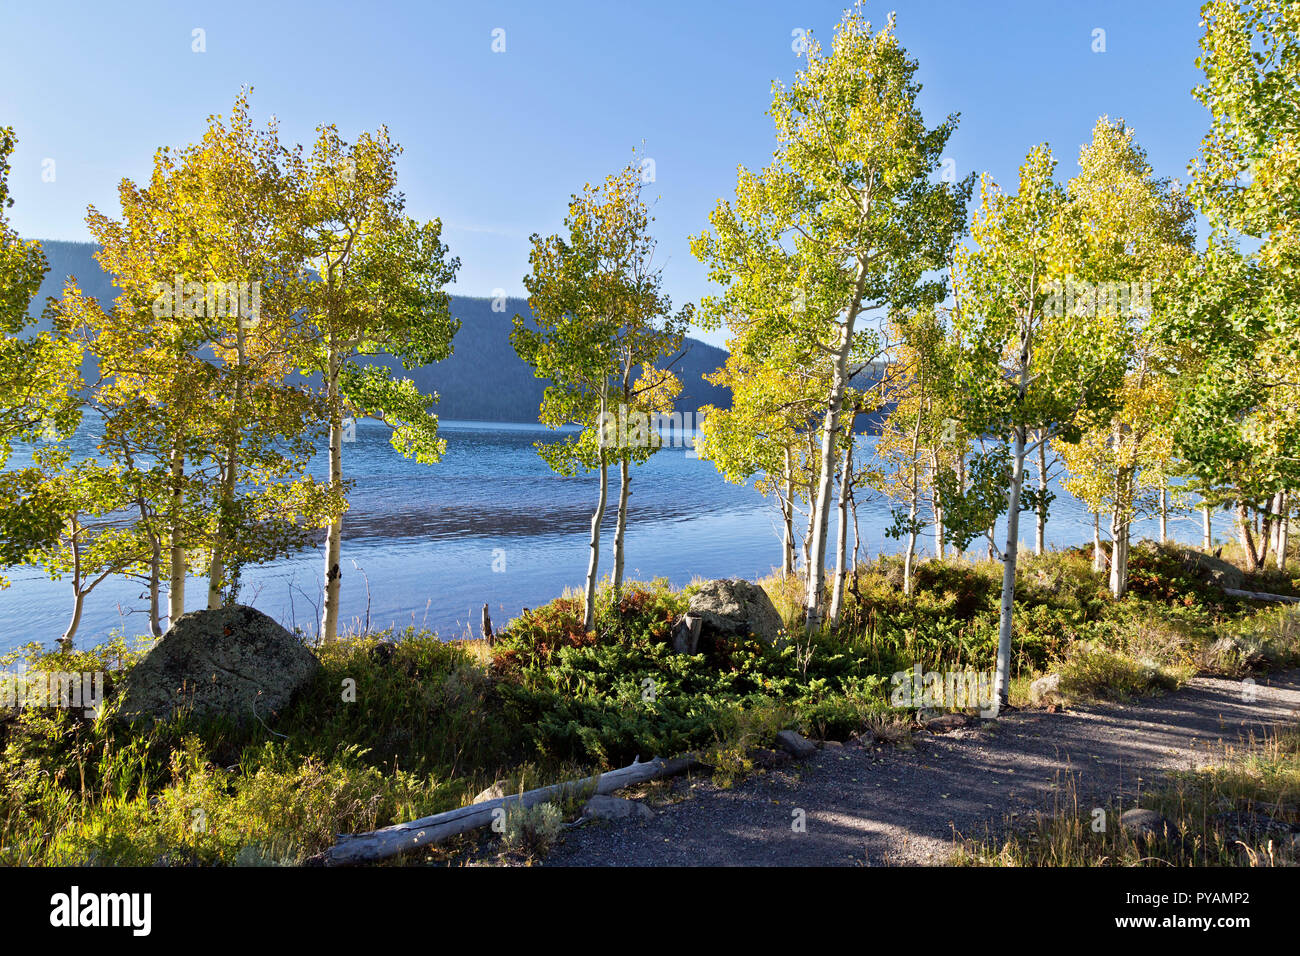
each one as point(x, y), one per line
point(429, 545)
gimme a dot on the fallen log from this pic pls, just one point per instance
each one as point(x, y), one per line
point(1261, 596)
point(352, 848)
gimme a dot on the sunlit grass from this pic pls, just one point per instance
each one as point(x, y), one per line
point(1243, 813)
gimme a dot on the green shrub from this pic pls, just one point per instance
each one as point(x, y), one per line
point(532, 830)
point(400, 725)
point(1093, 671)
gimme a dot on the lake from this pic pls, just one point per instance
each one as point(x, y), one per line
point(429, 545)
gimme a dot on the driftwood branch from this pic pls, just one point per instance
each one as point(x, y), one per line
point(1261, 596)
point(380, 844)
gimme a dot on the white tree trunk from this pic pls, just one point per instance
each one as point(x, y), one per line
point(1284, 532)
point(913, 505)
point(1164, 515)
point(78, 603)
point(179, 563)
point(155, 573)
point(1002, 682)
point(814, 597)
point(909, 553)
point(937, 509)
point(1121, 519)
point(334, 538)
point(1206, 530)
point(787, 520)
point(593, 562)
point(819, 520)
point(1246, 534)
point(1119, 546)
point(217, 567)
point(1040, 517)
point(842, 536)
point(1096, 542)
point(155, 564)
point(1279, 509)
point(940, 546)
point(78, 596)
point(624, 489)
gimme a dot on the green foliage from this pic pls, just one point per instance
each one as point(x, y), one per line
point(846, 219)
point(599, 314)
point(39, 375)
point(1246, 178)
point(1097, 672)
point(397, 726)
point(532, 830)
point(973, 509)
point(1236, 412)
point(1162, 574)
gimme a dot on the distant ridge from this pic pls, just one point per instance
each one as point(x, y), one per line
point(483, 380)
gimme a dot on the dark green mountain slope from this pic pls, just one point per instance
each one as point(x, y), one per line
point(482, 380)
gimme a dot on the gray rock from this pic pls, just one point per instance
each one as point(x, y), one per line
point(1210, 569)
point(230, 662)
point(735, 608)
point(494, 792)
point(946, 722)
point(795, 744)
point(1044, 687)
point(604, 807)
point(1148, 825)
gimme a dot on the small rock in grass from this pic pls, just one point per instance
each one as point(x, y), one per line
point(1042, 688)
point(605, 807)
point(795, 744)
point(946, 722)
point(494, 792)
point(1148, 824)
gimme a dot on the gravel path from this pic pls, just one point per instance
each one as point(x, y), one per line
point(892, 806)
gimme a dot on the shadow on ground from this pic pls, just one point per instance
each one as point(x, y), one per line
point(864, 807)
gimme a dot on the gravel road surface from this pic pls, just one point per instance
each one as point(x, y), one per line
point(888, 806)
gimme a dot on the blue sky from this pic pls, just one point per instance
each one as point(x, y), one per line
point(496, 142)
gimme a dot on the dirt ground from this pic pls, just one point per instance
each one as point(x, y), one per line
point(865, 806)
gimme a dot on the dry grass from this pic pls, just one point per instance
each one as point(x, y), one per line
point(787, 594)
point(894, 731)
point(1243, 813)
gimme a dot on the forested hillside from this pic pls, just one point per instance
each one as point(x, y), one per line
point(483, 380)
